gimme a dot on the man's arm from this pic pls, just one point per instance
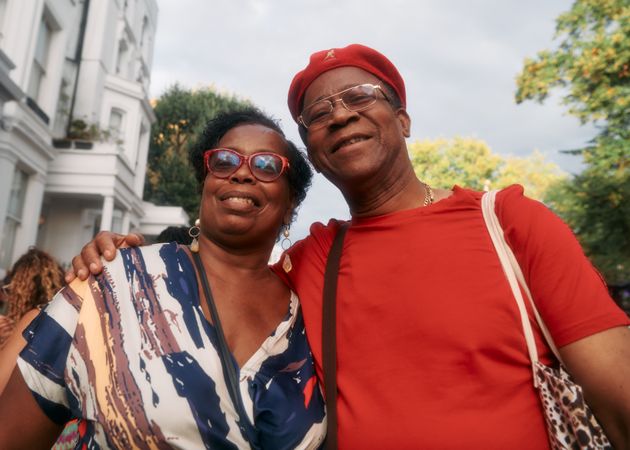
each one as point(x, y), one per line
point(601, 365)
point(104, 244)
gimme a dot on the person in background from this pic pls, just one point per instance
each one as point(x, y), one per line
point(430, 348)
point(180, 235)
point(135, 352)
point(31, 283)
point(6, 326)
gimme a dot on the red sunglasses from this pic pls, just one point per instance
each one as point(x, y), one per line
point(265, 166)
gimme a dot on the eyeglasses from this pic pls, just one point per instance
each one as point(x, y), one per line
point(265, 166)
point(356, 98)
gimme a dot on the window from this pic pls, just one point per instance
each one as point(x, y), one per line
point(40, 61)
point(63, 107)
point(121, 61)
point(117, 125)
point(3, 7)
point(14, 216)
point(117, 221)
point(96, 225)
point(145, 30)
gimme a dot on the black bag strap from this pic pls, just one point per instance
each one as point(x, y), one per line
point(227, 364)
point(329, 335)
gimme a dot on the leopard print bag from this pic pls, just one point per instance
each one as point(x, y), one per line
point(570, 422)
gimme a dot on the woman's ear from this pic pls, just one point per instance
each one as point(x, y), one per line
point(288, 215)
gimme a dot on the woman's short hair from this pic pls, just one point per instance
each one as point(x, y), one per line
point(299, 174)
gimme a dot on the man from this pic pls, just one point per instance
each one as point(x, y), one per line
point(429, 346)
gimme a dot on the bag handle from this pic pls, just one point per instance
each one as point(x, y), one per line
point(329, 335)
point(515, 278)
point(248, 430)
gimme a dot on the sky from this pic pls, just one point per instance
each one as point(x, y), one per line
point(459, 60)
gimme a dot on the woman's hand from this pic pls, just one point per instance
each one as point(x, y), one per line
point(6, 327)
point(104, 244)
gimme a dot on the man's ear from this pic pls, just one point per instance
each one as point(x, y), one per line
point(405, 121)
point(303, 133)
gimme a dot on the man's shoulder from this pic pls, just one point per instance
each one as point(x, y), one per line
point(331, 228)
point(312, 250)
point(513, 207)
point(320, 236)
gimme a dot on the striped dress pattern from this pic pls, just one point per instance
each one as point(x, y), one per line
point(131, 354)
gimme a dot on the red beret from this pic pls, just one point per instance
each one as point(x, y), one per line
point(354, 55)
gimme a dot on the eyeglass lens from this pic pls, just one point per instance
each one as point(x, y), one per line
point(264, 166)
point(356, 98)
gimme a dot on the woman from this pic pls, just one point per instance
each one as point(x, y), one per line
point(135, 352)
point(32, 281)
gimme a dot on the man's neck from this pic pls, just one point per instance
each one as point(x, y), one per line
point(375, 198)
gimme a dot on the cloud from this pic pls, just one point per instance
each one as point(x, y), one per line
point(459, 59)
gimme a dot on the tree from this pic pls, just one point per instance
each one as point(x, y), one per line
point(470, 163)
point(592, 66)
point(181, 115)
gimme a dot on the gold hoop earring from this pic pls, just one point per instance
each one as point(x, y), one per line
point(194, 233)
point(286, 244)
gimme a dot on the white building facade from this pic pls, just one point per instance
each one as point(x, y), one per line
point(75, 123)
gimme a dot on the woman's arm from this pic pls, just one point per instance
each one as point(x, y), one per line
point(6, 328)
point(23, 425)
point(12, 348)
point(22, 422)
point(600, 363)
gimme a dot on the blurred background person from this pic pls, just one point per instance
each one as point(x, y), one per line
point(180, 235)
point(5, 324)
point(30, 284)
point(32, 281)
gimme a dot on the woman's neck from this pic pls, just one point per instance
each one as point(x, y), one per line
point(234, 262)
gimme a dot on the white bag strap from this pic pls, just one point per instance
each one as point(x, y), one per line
point(515, 277)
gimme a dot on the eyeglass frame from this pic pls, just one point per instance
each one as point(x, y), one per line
point(340, 93)
point(243, 159)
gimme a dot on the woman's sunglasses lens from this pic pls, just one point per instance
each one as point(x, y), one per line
point(224, 163)
point(266, 167)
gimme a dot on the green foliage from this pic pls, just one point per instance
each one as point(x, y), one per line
point(592, 65)
point(592, 62)
point(80, 129)
point(597, 209)
point(470, 163)
point(181, 115)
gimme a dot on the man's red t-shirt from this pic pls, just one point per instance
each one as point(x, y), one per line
point(431, 352)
